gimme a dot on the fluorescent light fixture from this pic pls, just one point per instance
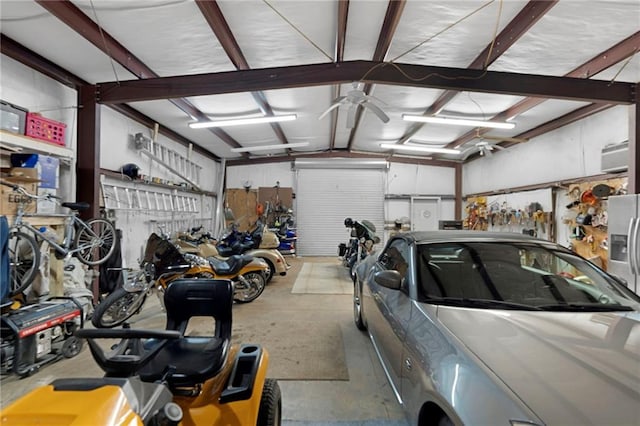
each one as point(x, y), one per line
point(419, 148)
point(269, 147)
point(241, 121)
point(458, 121)
point(340, 163)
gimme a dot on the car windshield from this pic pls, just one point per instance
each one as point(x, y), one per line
point(512, 275)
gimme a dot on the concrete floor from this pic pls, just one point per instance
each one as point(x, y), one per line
point(365, 399)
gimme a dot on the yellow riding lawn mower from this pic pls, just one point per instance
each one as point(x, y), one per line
point(176, 376)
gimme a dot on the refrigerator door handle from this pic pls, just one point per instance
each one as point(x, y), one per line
point(634, 249)
point(631, 246)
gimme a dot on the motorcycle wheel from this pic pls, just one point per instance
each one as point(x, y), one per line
point(271, 268)
point(118, 307)
point(248, 290)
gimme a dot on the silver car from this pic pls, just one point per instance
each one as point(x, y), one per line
point(481, 328)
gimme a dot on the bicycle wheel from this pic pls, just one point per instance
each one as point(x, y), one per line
point(95, 243)
point(24, 260)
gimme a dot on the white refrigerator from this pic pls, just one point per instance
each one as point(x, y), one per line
point(624, 238)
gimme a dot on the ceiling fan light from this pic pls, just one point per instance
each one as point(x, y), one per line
point(270, 147)
point(457, 121)
point(419, 148)
point(242, 121)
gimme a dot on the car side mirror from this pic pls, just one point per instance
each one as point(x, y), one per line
point(389, 279)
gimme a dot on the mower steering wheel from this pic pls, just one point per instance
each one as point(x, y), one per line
point(130, 354)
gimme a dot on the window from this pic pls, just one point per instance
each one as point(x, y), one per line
point(518, 273)
point(396, 257)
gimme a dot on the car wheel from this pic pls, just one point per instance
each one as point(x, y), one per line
point(357, 306)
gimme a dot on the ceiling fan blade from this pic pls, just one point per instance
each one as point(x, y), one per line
point(351, 116)
point(376, 110)
point(467, 153)
point(373, 98)
point(328, 110)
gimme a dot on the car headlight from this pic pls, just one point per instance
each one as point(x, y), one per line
point(523, 423)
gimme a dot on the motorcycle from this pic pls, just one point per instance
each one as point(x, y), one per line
point(287, 236)
point(362, 239)
point(164, 377)
point(163, 263)
point(260, 242)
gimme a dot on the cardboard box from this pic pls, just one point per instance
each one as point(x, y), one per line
point(9, 199)
point(48, 168)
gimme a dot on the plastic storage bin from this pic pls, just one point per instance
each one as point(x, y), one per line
point(45, 129)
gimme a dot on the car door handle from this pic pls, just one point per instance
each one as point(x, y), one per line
point(407, 364)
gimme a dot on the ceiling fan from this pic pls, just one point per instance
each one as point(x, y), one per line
point(354, 98)
point(489, 143)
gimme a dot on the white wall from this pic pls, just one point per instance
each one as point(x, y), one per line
point(27, 88)
point(30, 89)
point(117, 148)
point(569, 152)
point(401, 182)
point(263, 175)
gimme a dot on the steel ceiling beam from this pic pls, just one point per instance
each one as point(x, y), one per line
point(524, 20)
point(615, 54)
point(29, 58)
point(571, 117)
point(216, 20)
point(389, 25)
point(343, 154)
point(343, 15)
point(139, 117)
point(556, 123)
point(505, 83)
point(75, 19)
point(15, 50)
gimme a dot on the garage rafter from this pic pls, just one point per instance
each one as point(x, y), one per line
point(391, 20)
point(513, 31)
point(341, 36)
point(598, 63)
point(531, 29)
point(75, 19)
point(212, 13)
point(23, 55)
point(448, 78)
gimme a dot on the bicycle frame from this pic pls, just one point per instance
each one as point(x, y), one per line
point(70, 224)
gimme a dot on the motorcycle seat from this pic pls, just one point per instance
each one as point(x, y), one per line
point(195, 358)
point(230, 265)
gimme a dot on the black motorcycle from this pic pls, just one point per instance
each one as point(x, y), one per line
point(360, 244)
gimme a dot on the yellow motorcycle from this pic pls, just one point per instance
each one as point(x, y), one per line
point(164, 377)
point(163, 263)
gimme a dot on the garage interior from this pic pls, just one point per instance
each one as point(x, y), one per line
point(350, 89)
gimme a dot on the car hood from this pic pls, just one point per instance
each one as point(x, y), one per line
point(569, 368)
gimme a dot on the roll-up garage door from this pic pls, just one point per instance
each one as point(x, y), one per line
point(325, 197)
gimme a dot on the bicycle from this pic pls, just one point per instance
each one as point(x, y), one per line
point(91, 241)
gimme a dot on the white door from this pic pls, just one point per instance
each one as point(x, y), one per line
point(425, 213)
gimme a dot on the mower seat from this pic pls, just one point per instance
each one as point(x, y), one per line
point(193, 359)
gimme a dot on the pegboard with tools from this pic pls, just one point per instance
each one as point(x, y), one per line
point(586, 217)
